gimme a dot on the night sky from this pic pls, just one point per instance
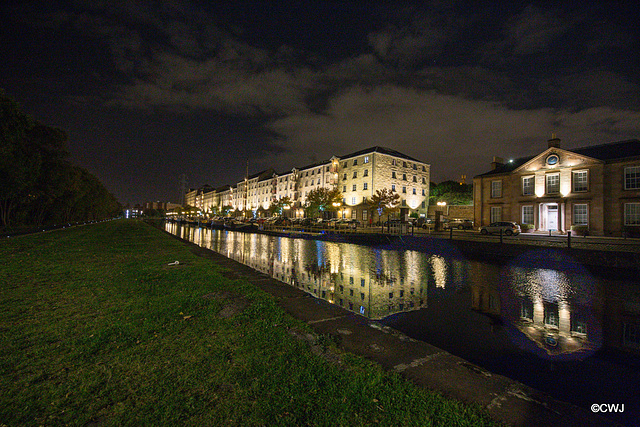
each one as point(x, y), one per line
point(148, 91)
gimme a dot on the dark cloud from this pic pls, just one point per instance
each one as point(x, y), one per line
point(444, 82)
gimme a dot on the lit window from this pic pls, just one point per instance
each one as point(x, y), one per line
point(580, 216)
point(553, 183)
point(527, 214)
point(580, 181)
point(366, 159)
point(496, 189)
point(528, 186)
point(365, 186)
point(414, 191)
point(632, 214)
point(354, 187)
point(632, 178)
point(496, 213)
point(393, 187)
point(353, 200)
point(404, 189)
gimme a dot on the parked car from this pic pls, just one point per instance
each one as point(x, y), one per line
point(509, 228)
point(460, 224)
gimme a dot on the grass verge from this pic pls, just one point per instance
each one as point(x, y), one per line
point(98, 329)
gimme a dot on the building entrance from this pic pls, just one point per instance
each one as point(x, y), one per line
point(552, 217)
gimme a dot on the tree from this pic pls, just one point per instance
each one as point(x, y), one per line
point(322, 199)
point(384, 201)
point(452, 192)
point(278, 206)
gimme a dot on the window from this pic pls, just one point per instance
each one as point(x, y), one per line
point(496, 189)
point(354, 187)
point(393, 174)
point(355, 174)
point(344, 165)
point(355, 162)
point(632, 178)
point(404, 176)
point(327, 168)
point(366, 172)
point(344, 176)
point(353, 200)
point(344, 188)
point(631, 335)
point(404, 189)
point(526, 310)
point(496, 213)
point(527, 214)
point(415, 178)
point(414, 191)
point(580, 181)
point(313, 172)
point(553, 183)
point(365, 186)
point(424, 169)
point(311, 182)
point(424, 180)
point(404, 202)
point(404, 164)
point(365, 216)
point(393, 162)
point(551, 317)
point(580, 216)
point(415, 167)
point(354, 213)
point(632, 214)
point(366, 159)
point(393, 187)
point(528, 186)
point(423, 192)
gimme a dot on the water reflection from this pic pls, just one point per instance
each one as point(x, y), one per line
point(554, 314)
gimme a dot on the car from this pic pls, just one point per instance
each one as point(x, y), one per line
point(509, 228)
point(460, 224)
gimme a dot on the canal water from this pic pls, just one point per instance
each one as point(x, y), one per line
point(572, 333)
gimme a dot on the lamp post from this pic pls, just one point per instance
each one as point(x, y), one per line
point(337, 205)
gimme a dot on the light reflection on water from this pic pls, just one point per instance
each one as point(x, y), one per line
point(553, 314)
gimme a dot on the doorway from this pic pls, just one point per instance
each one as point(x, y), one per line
point(552, 217)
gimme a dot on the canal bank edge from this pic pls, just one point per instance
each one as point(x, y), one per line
point(504, 399)
point(534, 256)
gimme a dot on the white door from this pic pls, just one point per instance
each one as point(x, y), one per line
point(552, 218)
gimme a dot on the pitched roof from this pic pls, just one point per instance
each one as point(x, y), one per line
point(377, 149)
point(611, 151)
point(605, 152)
point(509, 166)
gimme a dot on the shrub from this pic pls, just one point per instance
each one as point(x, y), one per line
point(526, 227)
point(580, 230)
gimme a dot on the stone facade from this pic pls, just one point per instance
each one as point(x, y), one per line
point(358, 175)
point(595, 187)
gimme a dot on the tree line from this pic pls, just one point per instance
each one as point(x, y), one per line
point(38, 184)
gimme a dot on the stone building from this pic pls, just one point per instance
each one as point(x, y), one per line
point(597, 187)
point(358, 175)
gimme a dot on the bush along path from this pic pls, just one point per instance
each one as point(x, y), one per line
point(97, 328)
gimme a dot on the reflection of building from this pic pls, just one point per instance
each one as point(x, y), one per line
point(340, 275)
point(597, 187)
point(357, 175)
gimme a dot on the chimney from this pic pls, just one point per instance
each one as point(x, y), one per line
point(497, 162)
point(553, 142)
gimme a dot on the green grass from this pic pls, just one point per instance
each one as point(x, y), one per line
point(97, 329)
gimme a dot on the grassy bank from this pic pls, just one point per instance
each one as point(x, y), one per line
point(98, 329)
